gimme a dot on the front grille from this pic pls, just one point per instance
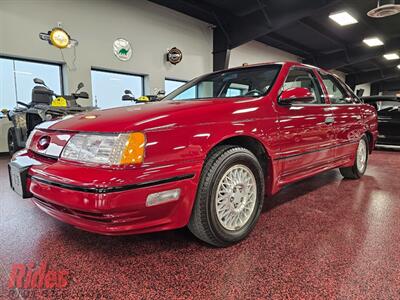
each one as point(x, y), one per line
point(105, 218)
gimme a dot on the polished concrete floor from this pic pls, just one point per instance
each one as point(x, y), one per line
point(322, 238)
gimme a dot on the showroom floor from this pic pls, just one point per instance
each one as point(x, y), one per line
point(320, 238)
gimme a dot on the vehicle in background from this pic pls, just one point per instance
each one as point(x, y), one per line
point(45, 106)
point(204, 157)
point(388, 109)
point(128, 96)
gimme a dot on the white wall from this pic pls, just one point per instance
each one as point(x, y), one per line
point(366, 87)
point(255, 52)
point(150, 28)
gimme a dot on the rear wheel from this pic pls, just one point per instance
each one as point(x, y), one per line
point(229, 197)
point(12, 141)
point(360, 163)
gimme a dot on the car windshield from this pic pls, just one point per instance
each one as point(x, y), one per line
point(245, 82)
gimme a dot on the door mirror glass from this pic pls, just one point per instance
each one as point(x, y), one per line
point(297, 94)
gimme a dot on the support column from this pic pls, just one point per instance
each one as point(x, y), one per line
point(221, 51)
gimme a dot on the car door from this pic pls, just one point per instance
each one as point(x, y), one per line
point(346, 110)
point(305, 128)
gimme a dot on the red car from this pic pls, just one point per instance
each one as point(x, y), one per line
point(203, 157)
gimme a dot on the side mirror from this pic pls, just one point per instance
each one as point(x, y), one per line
point(291, 95)
point(39, 81)
point(128, 98)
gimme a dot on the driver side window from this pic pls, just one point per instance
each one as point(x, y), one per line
point(305, 79)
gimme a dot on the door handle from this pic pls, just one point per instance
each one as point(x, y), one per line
point(329, 120)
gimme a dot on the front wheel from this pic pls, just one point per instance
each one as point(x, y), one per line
point(361, 161)
point(229, 197)
point(12, 141)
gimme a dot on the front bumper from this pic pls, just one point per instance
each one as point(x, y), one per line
point(112, 202)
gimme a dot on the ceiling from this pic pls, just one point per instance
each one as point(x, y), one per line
point(303, 27)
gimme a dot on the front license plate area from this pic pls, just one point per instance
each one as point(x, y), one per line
point(18, 177)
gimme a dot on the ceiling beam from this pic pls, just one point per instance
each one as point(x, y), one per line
point(271, 18)
point(355, 54)
point(390, 85)
point(287, 43)
point(197, 9)
point(373, 76)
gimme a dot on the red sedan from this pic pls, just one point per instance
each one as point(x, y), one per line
point(203, 157)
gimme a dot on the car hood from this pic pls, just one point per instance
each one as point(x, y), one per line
point(157, 115)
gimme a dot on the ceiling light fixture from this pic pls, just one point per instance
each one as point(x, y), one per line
point(398, 66)
point(373, 42)
point(391, 56)
point(343, 18)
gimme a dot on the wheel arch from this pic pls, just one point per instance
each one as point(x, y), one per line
point(256, 147)
point(370, 141)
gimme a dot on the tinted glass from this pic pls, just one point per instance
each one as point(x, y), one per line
point(337, 93)
point(250, 82)
point(304, 79)
point(171, 85)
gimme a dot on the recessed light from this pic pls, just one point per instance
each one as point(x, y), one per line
point(398, 66)
point(343, 18)
point(391, 56)
point(373, 42)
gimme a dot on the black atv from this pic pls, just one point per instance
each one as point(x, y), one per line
point(45, 106)
point(128, 96)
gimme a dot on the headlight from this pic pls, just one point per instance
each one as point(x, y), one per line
point(107, 149)
point(29, 139)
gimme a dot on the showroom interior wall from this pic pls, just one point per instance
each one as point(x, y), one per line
point(255, 52)
point(151, 30)
point(366, 87)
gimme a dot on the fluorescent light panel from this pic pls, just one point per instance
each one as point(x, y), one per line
point(391, 56)
point(343, 18)
point(373, 42)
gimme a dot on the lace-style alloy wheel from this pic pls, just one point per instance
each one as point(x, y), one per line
point(361, 162)
point(229, 197)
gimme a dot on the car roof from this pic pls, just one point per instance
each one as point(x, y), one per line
point(287, 63)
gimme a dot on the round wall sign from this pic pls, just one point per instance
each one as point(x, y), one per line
point(122, 49)
point(174, 56)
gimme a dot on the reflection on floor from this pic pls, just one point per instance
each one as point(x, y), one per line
point(322, 238)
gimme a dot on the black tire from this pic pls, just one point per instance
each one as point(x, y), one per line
point(204, 222)
point(12, 141)
point(354, 172)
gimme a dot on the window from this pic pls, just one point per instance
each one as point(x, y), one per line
point(109, 87)
point(16, 80)
point(305, 79)
point(236, 90)
point(250, 82)
point(337, 93)
point(172, 84)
